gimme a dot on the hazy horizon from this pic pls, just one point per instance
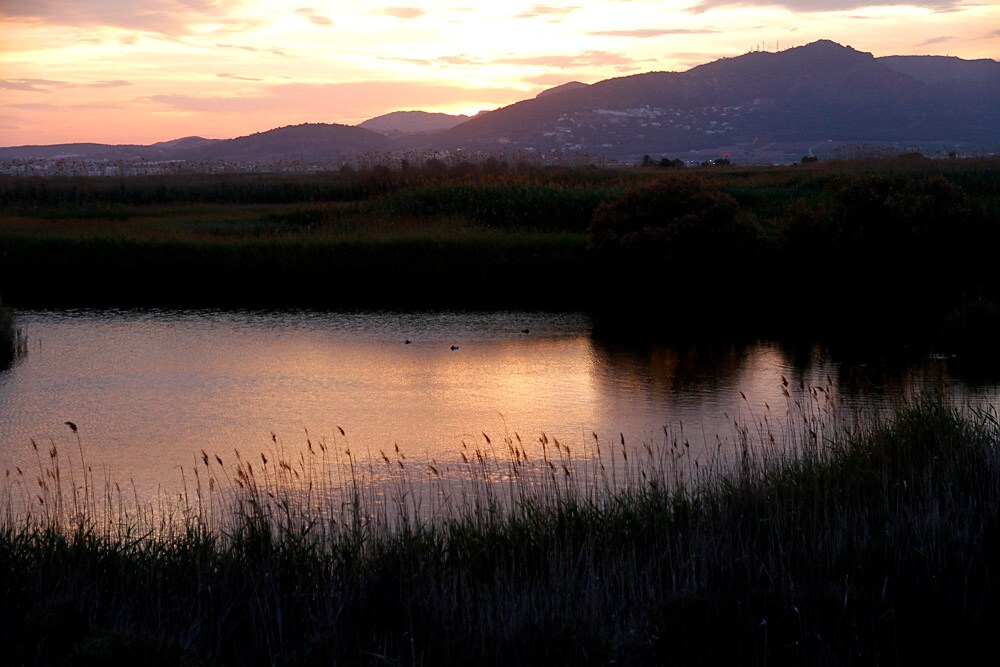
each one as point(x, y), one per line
point(147, 71)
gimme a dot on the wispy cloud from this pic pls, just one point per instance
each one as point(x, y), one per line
point(48, 85)
point(340, 100)
point(560, 61)
point(936, 40)
point(460, 59)
point(402, 12)
point(645, 33)
point(226, 75)
point(252, 49)
point(547, 11)
point(412, 61)
point(826, 5)
point(170, 17)
point(313, 17)
point(585, 59)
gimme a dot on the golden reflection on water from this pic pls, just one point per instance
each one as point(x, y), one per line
point(150, 391)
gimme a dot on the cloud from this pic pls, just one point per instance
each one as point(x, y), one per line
point(252, 49)
point(548, 79)
point(226, 75)
point(170, 17)
point(313, 17)
point(643, 33)
point(936, 40)
point(33, 106)
point(117, 83)
point(458, 60)
point(554, 13)
point(402, 12)
point(412, 61)
point(825, 5)
point(30, 85)
point(338, 100)
point(585, 59)
point(48, 85)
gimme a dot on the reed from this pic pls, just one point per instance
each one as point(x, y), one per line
point(805, 538)
point(13, 342)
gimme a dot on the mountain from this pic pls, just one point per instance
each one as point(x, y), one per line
point(401, 123)
point(821, 92)
point(184, 143)
point(760, 107)
point(934, 70)
point(572, 85)
point(310, 141)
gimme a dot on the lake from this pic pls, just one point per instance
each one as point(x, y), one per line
point(151, 390)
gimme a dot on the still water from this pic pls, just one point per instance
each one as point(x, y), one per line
point(150, 390)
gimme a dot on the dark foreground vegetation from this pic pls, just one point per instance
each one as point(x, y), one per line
point(12, 342)
point(906, 242)
point(874, 544)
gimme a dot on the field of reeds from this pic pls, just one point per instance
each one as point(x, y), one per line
point(904, 243)
point(804, 541)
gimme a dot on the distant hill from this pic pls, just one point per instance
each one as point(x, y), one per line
point(401, 123)
point(69, 151)
point(310, 141)
point(819, 92)
point(934, 70)
point(572, 85)
point(184, 143)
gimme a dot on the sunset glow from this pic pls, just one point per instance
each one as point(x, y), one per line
point(142, 71)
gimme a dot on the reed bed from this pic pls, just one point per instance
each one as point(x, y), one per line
point(808, 538)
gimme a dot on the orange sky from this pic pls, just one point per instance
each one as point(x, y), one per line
point(141, 71)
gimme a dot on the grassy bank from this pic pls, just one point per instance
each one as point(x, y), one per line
point(874, 544)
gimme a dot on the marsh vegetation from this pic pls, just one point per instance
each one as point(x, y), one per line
point(874, 541)
point(806, 539)
point(906, 241)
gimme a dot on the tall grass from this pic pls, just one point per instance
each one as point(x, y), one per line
point(877, 541)
point(12, 339)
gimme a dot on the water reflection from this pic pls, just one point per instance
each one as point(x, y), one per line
point(151, 390)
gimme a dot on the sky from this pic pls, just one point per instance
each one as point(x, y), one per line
point(142, 71)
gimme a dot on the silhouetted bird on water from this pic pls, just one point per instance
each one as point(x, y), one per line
point(72, 426)
point(407, 341)
point(454, 347)
point(524, 331)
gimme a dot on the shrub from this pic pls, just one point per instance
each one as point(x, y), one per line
point(678, 224)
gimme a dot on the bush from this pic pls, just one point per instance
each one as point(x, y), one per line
point(679, 224)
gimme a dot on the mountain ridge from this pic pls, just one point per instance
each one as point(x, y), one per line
point(819, 92)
